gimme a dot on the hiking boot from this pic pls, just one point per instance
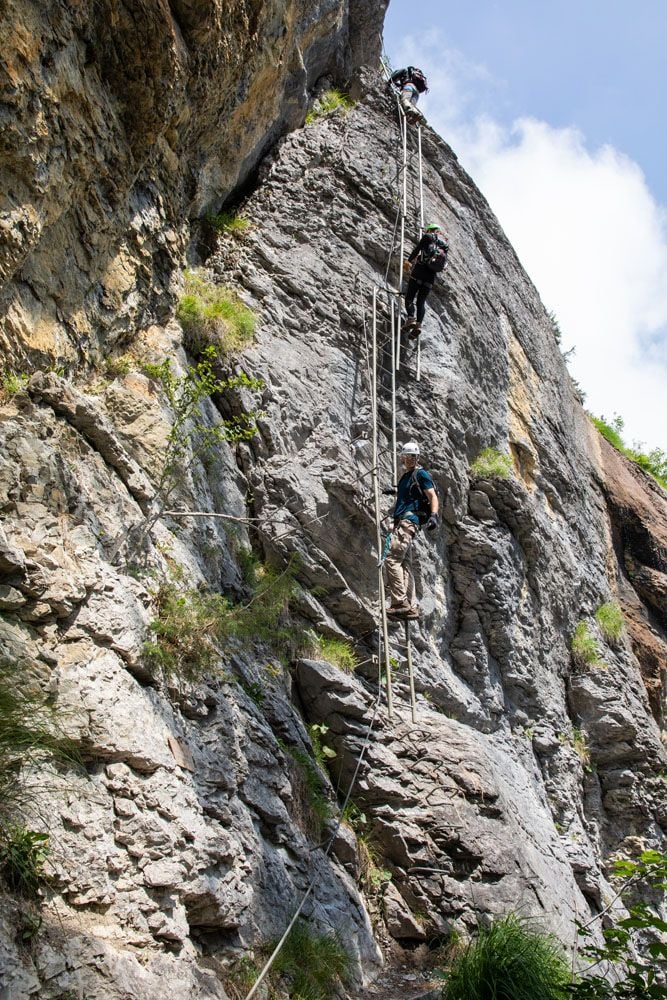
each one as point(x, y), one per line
point(413, 612)
point(409, 324)
point(415, 330)
point(398, 610)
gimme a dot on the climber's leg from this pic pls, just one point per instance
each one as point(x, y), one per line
point(400, 578)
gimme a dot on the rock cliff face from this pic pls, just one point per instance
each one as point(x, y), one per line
point(188, 839)
point(123, 121)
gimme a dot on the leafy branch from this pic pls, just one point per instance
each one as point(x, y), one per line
point(191, 436)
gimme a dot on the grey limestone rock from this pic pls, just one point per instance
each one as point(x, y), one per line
point(188, 838)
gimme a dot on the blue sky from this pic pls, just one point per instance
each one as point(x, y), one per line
point(556, 110)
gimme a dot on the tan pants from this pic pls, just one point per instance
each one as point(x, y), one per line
point(399, 564)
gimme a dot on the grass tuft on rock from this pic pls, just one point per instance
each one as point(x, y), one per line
point(227, 222)
point(338, 652)
point(507, 961)
point(610, 620)
point(327, 103)
point(491, 464)
point(584, 647)
point(213, 316)
point(29, 734)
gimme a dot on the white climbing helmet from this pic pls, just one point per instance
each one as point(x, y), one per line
point(410, 448)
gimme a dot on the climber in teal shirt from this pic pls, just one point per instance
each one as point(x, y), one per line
point(416, 505)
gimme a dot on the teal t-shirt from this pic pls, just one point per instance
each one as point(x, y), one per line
point(410, 495)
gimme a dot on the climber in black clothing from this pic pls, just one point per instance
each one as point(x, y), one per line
point(410, 82)
point(430, 258)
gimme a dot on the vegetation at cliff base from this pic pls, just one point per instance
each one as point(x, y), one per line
point(621, 954)
point(315, 964)
point(654, 462)
point(213, 316)
point(327, 103)
point(310, 966)
point(508, 960)
point(610, 621)
point(491, 464)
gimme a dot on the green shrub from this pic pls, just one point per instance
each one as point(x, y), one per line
point(12, 384)
point(490, 464)
point(327, 103)
point(186, 629)
point(315, 964)
point(117, 367)
point(191, 624)
point(610, 619)
point(22, 856)
point(612, 433)
point(508, 961)
point(654, 462)
point(555, 326)
point(354, 817)
point(227, 222)
point(338, 652)
point(372, 873)
point(323, 753)
point(213, 316)
point(640, 963)
point(584, 647)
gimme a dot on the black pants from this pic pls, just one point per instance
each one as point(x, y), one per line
point(421, 290)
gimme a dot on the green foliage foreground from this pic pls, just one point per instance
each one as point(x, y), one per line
point(509, 961)
point(637, 976)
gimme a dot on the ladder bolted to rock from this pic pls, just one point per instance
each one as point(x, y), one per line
point(394, 304)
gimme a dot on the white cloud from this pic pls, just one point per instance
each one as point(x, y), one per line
point(586, 228)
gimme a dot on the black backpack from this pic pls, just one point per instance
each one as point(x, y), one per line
point(417, 77)
point(434, 255)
